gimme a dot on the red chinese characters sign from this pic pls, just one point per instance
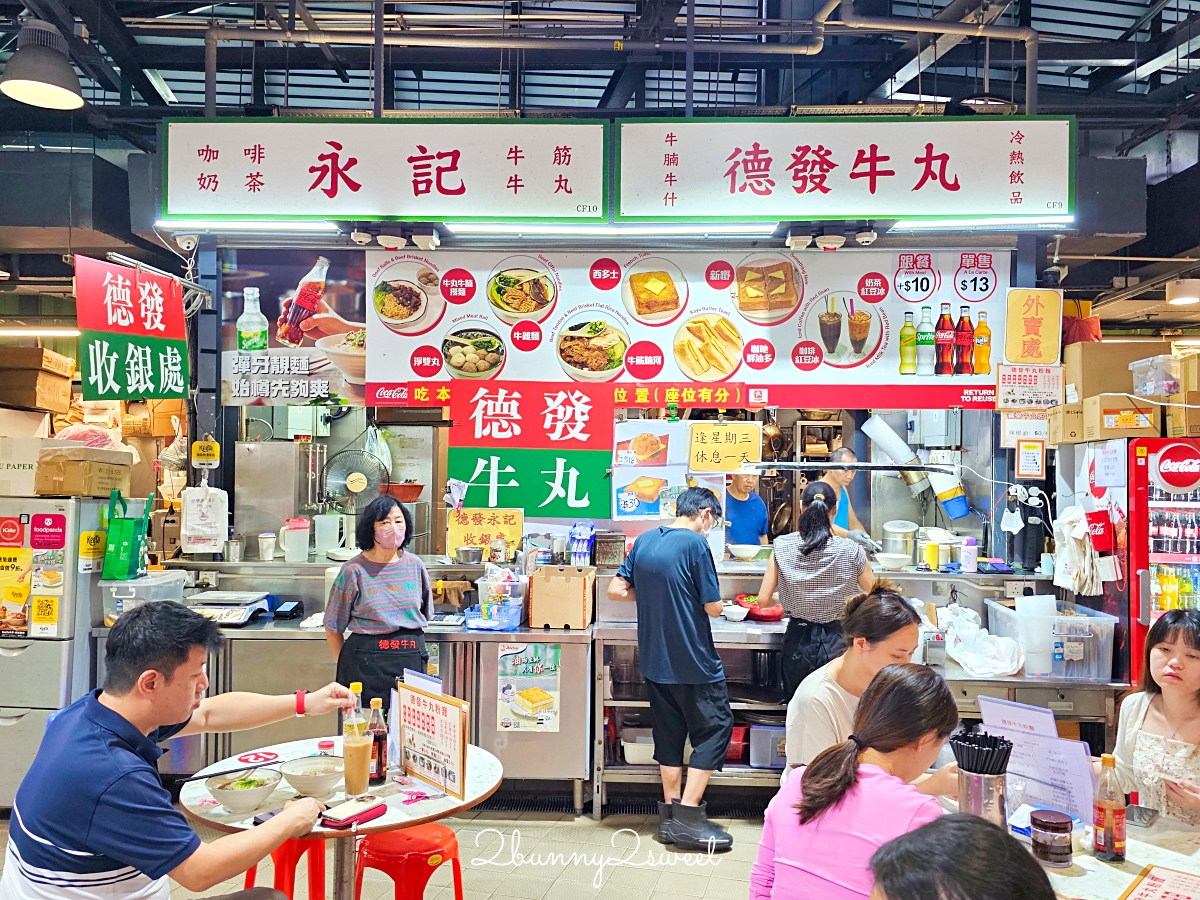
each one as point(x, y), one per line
point(133, 340)
point(392, 170)
point(813, 168)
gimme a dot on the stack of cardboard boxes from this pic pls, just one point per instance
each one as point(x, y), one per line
point(1097, 384)
point(1181, 421)
point(36, 378)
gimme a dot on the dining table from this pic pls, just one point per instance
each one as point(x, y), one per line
point(484, 773)
point(1167, 844)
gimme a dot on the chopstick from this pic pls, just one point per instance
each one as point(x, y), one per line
point(226, 772)
point(531, 278)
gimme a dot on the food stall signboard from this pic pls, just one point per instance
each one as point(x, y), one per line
point(469, 527)
point(1033, 331)
point(724, 446)
point(528, 689)
point(804, 168)
point(694, 328)
point(433, 738)
point(439, 169)
point(1028, 387)
point(133, 337)
point(1017, 426)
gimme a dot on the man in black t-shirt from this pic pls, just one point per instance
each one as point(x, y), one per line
point(671, 575)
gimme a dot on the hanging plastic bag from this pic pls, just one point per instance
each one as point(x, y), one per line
point(125, 545)
point(1076, 566)
point(377, 447)
point(204, 522)
point(1080, 329)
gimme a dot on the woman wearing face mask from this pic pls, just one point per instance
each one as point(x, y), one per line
point(383, 597)
point(1158, 737)
point(827, 820)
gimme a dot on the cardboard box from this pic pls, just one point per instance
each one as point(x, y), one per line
point(1189, 372)
point(79, 471)
point(1183, 422)
point(24, 423)
point(1090, 368)
point(1108, 416)
point(35, 388)
point(562, 596)
point(1064, 424)
point(37, 358)
point(18, 463)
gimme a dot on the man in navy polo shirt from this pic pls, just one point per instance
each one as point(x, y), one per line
point(91, 818)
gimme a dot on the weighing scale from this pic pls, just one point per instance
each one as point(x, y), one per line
point(229, 609)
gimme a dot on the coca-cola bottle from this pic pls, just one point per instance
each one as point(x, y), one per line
point(1171, 533)
point(308, 294)
point(964, 343)
point(1191, 533)
point(1155, 529)
point(943, 343)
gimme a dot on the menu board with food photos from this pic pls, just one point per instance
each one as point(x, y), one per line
point(919, 327)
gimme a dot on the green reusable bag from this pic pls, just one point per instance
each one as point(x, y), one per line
point(125, 548)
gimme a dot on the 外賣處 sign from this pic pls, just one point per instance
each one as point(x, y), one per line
point(133, 337)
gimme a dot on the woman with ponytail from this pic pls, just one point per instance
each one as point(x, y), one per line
point(827, 820)
point(815, 574)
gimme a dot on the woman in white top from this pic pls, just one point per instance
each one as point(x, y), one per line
point(1158, 738)
point(881, 628)
point(815, 574)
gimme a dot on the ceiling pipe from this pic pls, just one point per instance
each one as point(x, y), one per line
point(1028, 36)
point(810, 44)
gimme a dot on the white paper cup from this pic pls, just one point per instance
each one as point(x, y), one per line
point(266, 546)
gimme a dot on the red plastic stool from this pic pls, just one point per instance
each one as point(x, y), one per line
point(286, 858)
point(409, 857)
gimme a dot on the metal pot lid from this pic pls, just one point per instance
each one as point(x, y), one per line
point(900, 526)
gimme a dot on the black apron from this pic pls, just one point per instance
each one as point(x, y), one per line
point(806, 647)
point(379, 661)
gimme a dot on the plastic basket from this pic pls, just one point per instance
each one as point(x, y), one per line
point(500, 618)
point(1155, 376)
point(1088, 635)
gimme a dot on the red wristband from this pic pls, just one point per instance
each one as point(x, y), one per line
point(300, 695)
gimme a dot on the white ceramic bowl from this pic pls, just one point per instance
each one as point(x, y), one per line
point(893, 562)
point(420, 311)
point(247, 800)
point(308, 775)
point(512, 317)
point(735, 613)
point(353, 365)
point(745, 552)
point(476, 376)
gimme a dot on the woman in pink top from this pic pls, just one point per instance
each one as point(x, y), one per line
point(831, 816)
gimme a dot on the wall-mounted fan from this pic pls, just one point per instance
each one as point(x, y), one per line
point(353, 478)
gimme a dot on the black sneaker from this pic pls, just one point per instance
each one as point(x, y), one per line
point(689, 829)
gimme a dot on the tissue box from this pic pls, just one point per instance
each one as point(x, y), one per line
point(562, 596)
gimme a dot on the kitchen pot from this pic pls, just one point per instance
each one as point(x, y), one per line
point(900, 536)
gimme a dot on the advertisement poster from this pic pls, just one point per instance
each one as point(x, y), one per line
point(133, 337)
point(528, 687)
point(641, 492)
point(433, 734)
point(304, 339)
point(918, 327)
point(650, 442)
point(16, 577)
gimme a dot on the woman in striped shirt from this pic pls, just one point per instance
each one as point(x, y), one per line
point(383, 597)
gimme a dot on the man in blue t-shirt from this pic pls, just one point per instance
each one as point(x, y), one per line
point(92, 819)
point(671, 575)
point(745, 511)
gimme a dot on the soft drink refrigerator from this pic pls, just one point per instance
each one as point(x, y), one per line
point(1164, 534)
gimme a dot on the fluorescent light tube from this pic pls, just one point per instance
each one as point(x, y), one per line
point(283, 226)
point(37, 331)
point(982, 222)
point(549, 229)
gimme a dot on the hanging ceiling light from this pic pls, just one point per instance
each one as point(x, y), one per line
point(1183, 292)
point(39, 72)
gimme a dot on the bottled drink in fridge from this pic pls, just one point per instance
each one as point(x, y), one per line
point(1108, 813)
point(1191, 533)
point(926, 340)
point(379, 742)
point(251, 324)
point(308, 294)
point(908, 346)
point(983, 346)
point(943, 343)
point(1155, 532)
point(1187, 588)
point(964, 343)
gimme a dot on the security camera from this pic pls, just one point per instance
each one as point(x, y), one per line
point(361, 238)
point(187, 242)
point(866, 237)
point(1053, 276)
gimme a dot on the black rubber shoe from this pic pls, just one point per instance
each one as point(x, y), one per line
point(689, 829)
point(664, 818)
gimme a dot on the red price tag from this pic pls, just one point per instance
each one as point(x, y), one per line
point(758, 353)
point(426, 361)
point(458, 286)
point(605, 274)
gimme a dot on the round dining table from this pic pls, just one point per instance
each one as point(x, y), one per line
point(483, 777)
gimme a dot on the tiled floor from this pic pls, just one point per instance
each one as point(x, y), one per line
point(557, 856)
